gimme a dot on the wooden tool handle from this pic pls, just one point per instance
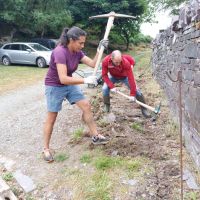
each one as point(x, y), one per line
point(108, 27)
point(138, 102)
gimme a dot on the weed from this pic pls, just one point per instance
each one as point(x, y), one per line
point(15, 190)
point(133, 165)
point(94, 102)
point(102, 123)
point(86, 158)
point(99, 187)
point(137, 126)
point(171, 129)
point(77, 134)
point(7, 176)
point(104, 163)
point(29, 197)
point(61, 157)
point(191, 196)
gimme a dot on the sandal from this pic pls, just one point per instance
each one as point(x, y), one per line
point(47, 156)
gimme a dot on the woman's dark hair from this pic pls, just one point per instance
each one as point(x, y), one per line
point(74, 33)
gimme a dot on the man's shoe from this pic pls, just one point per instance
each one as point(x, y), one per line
point(97, 140)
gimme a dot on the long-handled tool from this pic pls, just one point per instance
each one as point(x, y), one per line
point(156, 110)
point(110, 17)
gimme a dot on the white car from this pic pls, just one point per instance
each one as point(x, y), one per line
point(25, 53)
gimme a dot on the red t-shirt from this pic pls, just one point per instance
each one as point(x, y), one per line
point(121, 71)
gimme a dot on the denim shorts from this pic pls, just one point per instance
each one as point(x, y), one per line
point(55, 96)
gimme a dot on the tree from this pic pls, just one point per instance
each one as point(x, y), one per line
point(125, 27)
point(51, 16)
point(35, 16)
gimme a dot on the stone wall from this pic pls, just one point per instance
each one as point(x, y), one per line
point(178, 49)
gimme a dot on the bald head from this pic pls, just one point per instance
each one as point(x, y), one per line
point(116, 57)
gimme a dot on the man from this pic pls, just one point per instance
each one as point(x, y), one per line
point(119, 68)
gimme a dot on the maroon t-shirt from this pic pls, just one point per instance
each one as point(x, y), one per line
point(62, 55)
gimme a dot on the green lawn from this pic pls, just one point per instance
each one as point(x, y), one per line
point(12, 77)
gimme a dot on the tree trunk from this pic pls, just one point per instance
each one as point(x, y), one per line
point(42, 34)
point(12, 34)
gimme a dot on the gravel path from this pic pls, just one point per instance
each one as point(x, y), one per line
point(22, 114)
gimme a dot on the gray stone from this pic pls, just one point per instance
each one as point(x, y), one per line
point(5, 192)
point(197, 78)
point(109, 118)
point(24, 181)
point(188, 75)
point(188, 177)
point(191, 50)
point(131, 182)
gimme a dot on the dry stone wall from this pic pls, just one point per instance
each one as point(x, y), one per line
point(178, 49)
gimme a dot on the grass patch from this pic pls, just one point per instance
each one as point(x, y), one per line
point(61, 157)
point(171, 129)
point(86, 158)
point(102, 123)
point(104, 162)
point(77, 134)
point(99, 187)
point(137, 126)
point(7, 176)
point(191, 196)
point(12, 77)
point(133, 165)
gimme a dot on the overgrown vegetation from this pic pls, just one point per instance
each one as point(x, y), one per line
point(7, 176)
point(77, 134)
point(61, 157)
point(41, 20)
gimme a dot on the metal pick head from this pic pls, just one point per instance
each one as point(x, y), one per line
point(112, 14)
point(157, 109)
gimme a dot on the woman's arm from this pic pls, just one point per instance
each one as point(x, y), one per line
point(67, 80)
point(90, 62)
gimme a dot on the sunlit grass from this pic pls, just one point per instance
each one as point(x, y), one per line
point(61, 157)
point(77, 134)
point(7, 176)
point(12, 77)
point(86, 158)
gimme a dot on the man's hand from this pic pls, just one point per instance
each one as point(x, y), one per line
point(113, 90)
point(103, 43)
point(132, 98)
point(91, 80)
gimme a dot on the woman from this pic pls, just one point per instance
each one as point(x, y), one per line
point(61, 85)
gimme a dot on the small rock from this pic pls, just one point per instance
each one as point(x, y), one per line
point(114, 153)
point(130, 182)
point(25, 181)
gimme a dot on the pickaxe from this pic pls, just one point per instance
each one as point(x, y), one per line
point(110, 17)
point(156, 110)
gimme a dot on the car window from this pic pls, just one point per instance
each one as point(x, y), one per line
point(15, 47)
point(7, 46)
point(24, 47)
point(39, 47)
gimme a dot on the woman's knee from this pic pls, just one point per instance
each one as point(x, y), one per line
point(86, 106)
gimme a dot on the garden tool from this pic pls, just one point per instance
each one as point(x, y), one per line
point(155, 110)
point(110, 17)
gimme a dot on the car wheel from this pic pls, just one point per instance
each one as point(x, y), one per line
point(41, 62)
point(6, 60)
